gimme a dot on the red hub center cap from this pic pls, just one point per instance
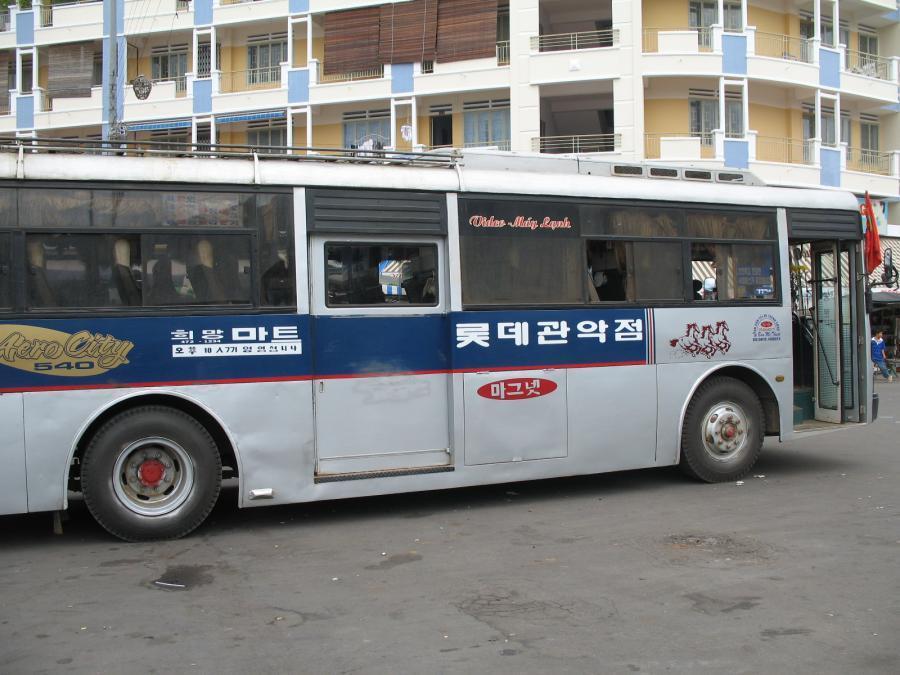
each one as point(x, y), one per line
point(728, 432)
point(151, 472)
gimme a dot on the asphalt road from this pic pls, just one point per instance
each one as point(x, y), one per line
point(796, 570)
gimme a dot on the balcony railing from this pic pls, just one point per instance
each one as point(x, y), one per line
point(570, 41)
point(180, 83)
point(579, 143)
point(785, 47)
point(4, 21)
point(869, 161)
point(250, 80)
point(502, 53)
point(500, 144)
point(870, 65)
point(182, 5)
point(653, 145)
point(704, 37)
point(369, 74)
point(785, 150)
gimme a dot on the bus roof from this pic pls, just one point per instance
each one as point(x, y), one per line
point(499, 172)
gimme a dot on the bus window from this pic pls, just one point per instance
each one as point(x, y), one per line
point(5, 270)
point(276, 250)
point(658, 271)
point(732, 272)
point(715, 225)
point(196, 269)
point(608, 271)
point(381, 274)
point(75, 271)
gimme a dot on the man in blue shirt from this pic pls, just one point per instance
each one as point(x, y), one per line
point(878, 356)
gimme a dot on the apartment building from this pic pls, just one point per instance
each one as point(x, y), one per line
point(801, 92)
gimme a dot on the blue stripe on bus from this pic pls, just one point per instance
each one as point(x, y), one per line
point(118, 352)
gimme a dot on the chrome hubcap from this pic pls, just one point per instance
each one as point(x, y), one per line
point(153, 476)
point(725, 431)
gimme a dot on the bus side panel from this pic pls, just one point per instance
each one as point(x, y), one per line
point(693, 343)
point(269, 423)
point(609, 410)
point(13, 490)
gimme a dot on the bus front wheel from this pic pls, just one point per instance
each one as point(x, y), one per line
point(723, 431)
point(151, 472)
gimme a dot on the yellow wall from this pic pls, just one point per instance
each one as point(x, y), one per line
point(770, 121)
point(666, 116)
point(43, 73)
point(665, 13)
point(458, 130)
point(319, 49)
point(328, 135)
point(767, 21)
point(299, 53)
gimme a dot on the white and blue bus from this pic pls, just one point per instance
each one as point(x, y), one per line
point(326, 329)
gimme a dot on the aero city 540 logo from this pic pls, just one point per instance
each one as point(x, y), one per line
point(52, 352)
point(707, 340)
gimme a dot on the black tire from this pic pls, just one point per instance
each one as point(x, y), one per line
point(151, 472)
point(723, 431)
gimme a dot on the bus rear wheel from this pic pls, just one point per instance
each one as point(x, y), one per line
point(722, 434)
point(151, 472)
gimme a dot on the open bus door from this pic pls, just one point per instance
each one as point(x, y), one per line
point(826, 334)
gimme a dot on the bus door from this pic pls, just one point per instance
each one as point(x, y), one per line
point(380, 356)
point(827, 293)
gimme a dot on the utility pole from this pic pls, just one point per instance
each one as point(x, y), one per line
point(112, 118)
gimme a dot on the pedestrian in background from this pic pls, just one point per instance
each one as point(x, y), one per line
point(878, 356)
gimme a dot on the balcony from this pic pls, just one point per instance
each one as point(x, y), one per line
point(680, 146)
point(785, 150)
point(374, 73)
point(869, 161)
point(143, 17)
point(677, 40)
point(249, 80)
point(869, 65)
point(70, 22)
point(4, 21)
point(594, 39)
point(585, 143)
point(168, 98)
point(503, 53)
point(786, 47)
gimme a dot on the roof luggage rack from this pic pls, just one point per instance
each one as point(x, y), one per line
point(227, 151)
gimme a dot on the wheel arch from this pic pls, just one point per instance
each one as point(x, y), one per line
point(754, 379)
point(210, 421)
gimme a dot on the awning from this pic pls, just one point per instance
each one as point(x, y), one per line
point(250, 117)
point(886, 296)
point(156, 126)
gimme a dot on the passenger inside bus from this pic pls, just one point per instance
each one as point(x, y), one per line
point(608, 270)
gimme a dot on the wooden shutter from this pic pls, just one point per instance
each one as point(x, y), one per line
point(70, 70)
point(351, 40)
point(408, 32)
point(466, 29)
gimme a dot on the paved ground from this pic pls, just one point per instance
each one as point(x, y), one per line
point(797, 570)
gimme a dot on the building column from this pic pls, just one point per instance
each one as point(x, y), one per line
point(214, 62)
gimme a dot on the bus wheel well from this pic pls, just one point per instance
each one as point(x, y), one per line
point(229, 459)
point(762, 390)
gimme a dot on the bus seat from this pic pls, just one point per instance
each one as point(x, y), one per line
point(129, 292)
point(162, 290)
point(39, 292)
point(206, 284)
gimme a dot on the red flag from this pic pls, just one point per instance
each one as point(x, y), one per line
point(873, 241)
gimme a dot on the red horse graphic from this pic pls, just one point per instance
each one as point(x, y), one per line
point(706, 340)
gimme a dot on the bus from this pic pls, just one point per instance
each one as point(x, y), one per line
point(327, 326)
